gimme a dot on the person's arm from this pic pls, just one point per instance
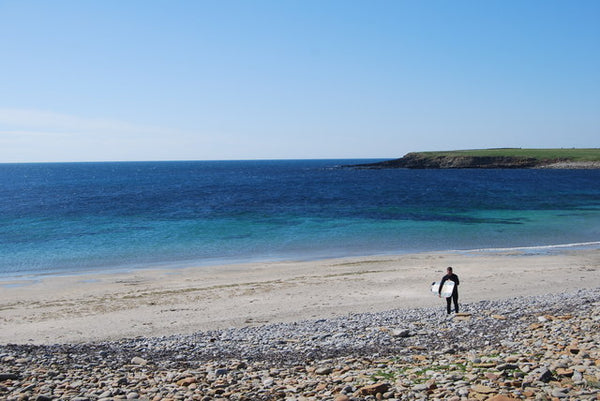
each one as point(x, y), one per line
point(456, 282)
point(442, 284)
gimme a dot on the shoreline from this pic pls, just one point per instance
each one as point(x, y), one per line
point(7, 278)
point(155, 302)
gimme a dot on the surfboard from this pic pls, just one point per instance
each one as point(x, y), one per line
point(446, 289)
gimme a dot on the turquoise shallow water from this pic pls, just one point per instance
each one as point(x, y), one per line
point(57, 218)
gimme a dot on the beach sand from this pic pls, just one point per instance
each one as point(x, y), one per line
point(153, 302)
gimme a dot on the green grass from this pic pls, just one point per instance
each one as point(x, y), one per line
point(383, 375)
point(574, 154)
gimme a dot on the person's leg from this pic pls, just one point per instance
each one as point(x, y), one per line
point(448, 301)
point(455, 299)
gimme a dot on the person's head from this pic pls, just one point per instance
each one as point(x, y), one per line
point(449, 269)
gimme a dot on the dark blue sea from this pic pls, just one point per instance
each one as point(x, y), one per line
point(73, 217)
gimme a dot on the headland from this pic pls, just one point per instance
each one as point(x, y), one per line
point(495, 158)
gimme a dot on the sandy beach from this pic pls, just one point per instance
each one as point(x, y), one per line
point(96, 307)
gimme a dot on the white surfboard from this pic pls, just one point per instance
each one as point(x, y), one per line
point(446, 289)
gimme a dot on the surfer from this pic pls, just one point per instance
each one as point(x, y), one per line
point(454, 297)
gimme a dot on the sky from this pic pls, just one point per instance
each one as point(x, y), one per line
point(116, 80)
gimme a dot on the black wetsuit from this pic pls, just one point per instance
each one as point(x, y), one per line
point(454, 296)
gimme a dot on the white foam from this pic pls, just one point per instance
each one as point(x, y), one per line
point(533, 248)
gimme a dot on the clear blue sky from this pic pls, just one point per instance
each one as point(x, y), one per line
point(182, 80)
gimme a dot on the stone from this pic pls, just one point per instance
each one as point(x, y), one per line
point(138, 361)
point(401, 333)
point(462, 316)
point(9, 376)
point(559, 392)
point(323, 371)
point(186, 381)
point(463, 392)
point(501, 397)
point(491, 376)
point(564, 372)
point(373, 389)
point(507, 366)
point(499, 317)
point(592, 380)
point(431, 384)
point(544, 376)
point(481, 389)
point(573, 349)
point(485, 365)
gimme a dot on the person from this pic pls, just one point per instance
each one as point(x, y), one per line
point(454, 297)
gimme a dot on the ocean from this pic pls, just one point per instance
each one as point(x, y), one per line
point(63, 218)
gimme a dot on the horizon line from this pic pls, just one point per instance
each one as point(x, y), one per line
point(198, 160)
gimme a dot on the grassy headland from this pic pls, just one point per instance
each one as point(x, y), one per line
point(497, 158)
point(573, 154)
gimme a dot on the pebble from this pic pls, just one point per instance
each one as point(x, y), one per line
point(139, 361)
point(543, 347)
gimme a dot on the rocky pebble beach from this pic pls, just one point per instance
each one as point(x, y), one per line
point(535, 348)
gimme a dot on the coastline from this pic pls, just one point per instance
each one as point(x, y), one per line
point(155, 302)
point(498, 158)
